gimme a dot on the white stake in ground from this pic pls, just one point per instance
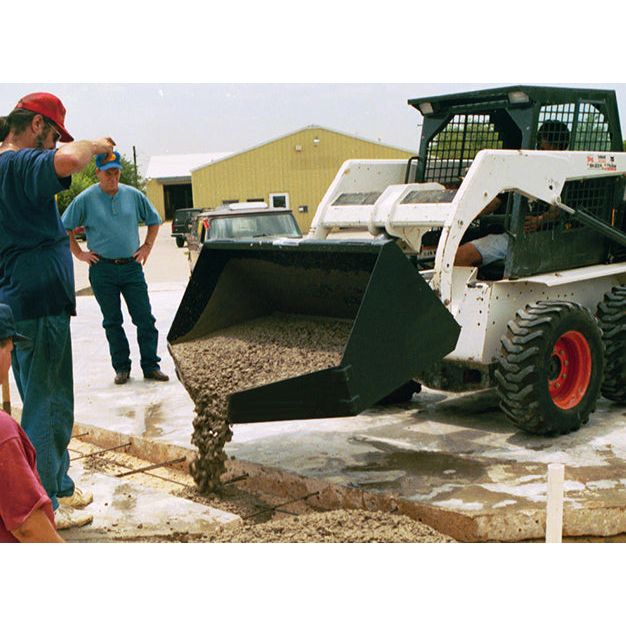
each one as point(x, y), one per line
point(554, 504)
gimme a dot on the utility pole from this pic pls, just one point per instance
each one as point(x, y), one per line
point(135, 163)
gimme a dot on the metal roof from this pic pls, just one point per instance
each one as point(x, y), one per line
point(552, 95)
point(169, 166)
point(295, 132)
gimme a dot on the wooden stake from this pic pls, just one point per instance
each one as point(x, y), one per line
point(554, 504)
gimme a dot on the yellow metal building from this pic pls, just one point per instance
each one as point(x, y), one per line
point(293, 171)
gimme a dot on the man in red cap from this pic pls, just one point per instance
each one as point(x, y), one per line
point(37, 281)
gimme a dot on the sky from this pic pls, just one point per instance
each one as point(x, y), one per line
point(174, 118)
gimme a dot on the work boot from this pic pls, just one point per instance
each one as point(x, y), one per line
point(121, 378)
point(156, 375)
point(78, 500)
point(66, 517)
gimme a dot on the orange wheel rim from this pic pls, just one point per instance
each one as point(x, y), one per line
point(569, 372)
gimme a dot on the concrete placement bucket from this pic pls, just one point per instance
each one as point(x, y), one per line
point(398, 327)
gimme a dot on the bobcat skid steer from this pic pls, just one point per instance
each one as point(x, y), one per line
point(545, 325)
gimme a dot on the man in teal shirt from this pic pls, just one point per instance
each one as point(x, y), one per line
point(111, 213)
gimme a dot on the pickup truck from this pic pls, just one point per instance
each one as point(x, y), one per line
point(240, 221)
point(182, 222)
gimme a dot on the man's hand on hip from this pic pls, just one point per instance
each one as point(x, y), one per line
point(88, 257)
point(141, 256)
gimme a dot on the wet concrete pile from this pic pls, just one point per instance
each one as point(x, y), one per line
point(342, 526)
point(243, 356)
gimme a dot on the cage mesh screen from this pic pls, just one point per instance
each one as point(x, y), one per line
point(589, 126)
point(452, 151)
point(555, 126)
point(593, 196)
point(592, 132)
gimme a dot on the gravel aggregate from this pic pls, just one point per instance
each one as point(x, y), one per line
point(341, 526)
point(243, 356)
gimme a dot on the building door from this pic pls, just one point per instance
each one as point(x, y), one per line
point(177, 197)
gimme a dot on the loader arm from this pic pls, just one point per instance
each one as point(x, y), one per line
point(592, 221)
point(538, 175)
point(371, 195)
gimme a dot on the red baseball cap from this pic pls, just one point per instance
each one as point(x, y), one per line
point(49, 106)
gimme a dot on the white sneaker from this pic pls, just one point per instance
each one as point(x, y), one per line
point(66, 517)
point(78, 500)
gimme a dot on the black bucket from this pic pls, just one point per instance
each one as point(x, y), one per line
point(399, 326)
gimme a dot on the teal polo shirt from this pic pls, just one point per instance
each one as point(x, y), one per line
point(111, 222)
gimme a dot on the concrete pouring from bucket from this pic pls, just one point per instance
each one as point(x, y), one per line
point(452, 460)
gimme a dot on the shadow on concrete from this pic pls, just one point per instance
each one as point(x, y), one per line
point(478, 410)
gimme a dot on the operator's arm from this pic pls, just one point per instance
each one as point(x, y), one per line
point(82, 255)
point(533, 223)
point(73, 157)
point(37, 528)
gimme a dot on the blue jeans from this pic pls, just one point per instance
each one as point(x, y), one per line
point(109, 282)
point(43, 374)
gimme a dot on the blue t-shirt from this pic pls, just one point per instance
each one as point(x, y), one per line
point(111, 222)
point(36, 270)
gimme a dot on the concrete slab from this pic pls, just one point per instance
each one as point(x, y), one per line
point(124, 509)
point(162, 411)
point(458, 453)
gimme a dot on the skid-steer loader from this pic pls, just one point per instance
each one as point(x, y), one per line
point(545, 325)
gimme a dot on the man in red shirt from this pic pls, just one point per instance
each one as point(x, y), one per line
point(25, 508)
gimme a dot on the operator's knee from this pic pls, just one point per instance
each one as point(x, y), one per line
point(468, 256)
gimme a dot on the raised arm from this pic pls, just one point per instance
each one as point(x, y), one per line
point(73, 157)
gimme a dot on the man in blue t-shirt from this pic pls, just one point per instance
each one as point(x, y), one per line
point(111, 213)
point(37, 281)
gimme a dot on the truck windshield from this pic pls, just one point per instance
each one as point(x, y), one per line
point(253, 226)
point(184, 215)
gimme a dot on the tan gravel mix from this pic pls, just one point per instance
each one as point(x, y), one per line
point(342, 526)
point(243, 356)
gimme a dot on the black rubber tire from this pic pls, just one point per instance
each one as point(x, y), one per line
point(525, 363)
point(180, 241)
point(402, 394)
point(612, 320)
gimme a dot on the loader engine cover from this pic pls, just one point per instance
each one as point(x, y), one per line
point(395, 325)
